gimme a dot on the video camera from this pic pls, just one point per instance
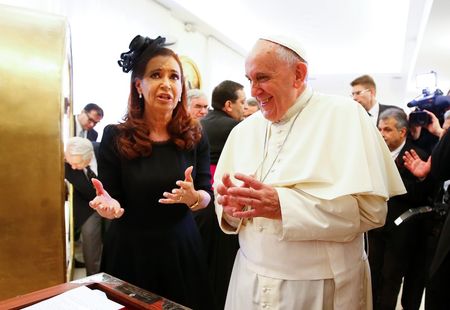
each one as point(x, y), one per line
point(434, 102)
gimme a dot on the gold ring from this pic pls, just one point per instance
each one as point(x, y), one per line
point(181, 197)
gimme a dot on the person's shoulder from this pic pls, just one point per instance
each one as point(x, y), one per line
point(410, 145)
point(334, 103)
point(251, 123)
point(109, 132)
point(389, 106)
point(209, 118)
point(219, 118)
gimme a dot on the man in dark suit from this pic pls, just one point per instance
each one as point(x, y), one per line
point(85, 122)
point(228, 99)
point(391, 247)
point(80, 167)
point(364, 91)
point(437, 168)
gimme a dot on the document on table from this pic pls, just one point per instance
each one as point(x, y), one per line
point(80, 298)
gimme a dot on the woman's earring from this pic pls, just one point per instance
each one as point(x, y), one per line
point(141, 102)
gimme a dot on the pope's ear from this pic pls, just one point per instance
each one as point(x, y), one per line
point(301, 71)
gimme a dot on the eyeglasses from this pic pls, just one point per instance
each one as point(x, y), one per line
point(90, 119)
point(359, 92)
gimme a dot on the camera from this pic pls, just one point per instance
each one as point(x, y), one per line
point(434, 102)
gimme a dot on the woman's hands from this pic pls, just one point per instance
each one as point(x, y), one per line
point(186, 192)
point(105, 205)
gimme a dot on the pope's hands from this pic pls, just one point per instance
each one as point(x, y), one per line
point(252, 199)
point(185, 193)
point(103, 203)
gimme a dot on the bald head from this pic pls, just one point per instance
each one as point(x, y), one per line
point(277, 75)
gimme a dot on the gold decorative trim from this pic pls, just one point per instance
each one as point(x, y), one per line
point(191, 72)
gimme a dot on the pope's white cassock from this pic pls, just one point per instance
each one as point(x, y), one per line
point(333, 173)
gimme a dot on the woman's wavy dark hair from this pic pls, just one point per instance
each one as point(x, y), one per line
point(133, 134)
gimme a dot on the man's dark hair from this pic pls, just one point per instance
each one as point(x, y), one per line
point(365, 80)
point(93, 107)
point(227, 90)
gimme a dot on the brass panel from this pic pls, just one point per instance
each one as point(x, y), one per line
point(33, 56)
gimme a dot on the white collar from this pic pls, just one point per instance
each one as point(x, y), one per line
point(395, 152)
point(298, 105)
point(374, 112)
point(79, 128)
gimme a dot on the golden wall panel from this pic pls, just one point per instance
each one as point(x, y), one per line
point(33, 53)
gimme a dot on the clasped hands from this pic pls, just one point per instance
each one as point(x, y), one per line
point(252, 199)
point(110, 208)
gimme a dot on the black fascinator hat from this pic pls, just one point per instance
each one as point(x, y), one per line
point(139, 46)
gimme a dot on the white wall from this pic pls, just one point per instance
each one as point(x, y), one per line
point(102, 29)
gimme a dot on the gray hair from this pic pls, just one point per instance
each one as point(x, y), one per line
point(80, 146)
point(287, 55)
point(194, 94)
point(252, 102)
point(398, 114)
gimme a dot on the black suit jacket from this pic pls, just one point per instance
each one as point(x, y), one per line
point(416, 191)
point(91, 134)
point(217, 126)
point(440, 171)
point(83, 192)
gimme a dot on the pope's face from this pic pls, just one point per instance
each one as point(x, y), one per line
point(274, 83)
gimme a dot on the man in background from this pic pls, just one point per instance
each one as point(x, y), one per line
point(436, 168)
point(250, 107)
point(393, 249)
point(197, 103)
point(228, 99)
point(364, 91)
point(80, 168)
point(85, 122)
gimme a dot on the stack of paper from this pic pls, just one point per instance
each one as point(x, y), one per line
point(80, 298)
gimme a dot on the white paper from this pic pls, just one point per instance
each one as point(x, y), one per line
point(80, 298)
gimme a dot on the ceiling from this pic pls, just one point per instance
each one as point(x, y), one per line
point(390, 40)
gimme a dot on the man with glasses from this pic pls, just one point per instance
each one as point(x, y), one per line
point(364, 91)
point(197, 103)
point(85, 121)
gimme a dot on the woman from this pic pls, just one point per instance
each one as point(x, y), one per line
point(155, 171)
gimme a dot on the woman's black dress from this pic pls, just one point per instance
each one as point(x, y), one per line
point(155, 246)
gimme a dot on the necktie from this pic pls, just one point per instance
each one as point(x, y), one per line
point(89, 173)
point(82, 134)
